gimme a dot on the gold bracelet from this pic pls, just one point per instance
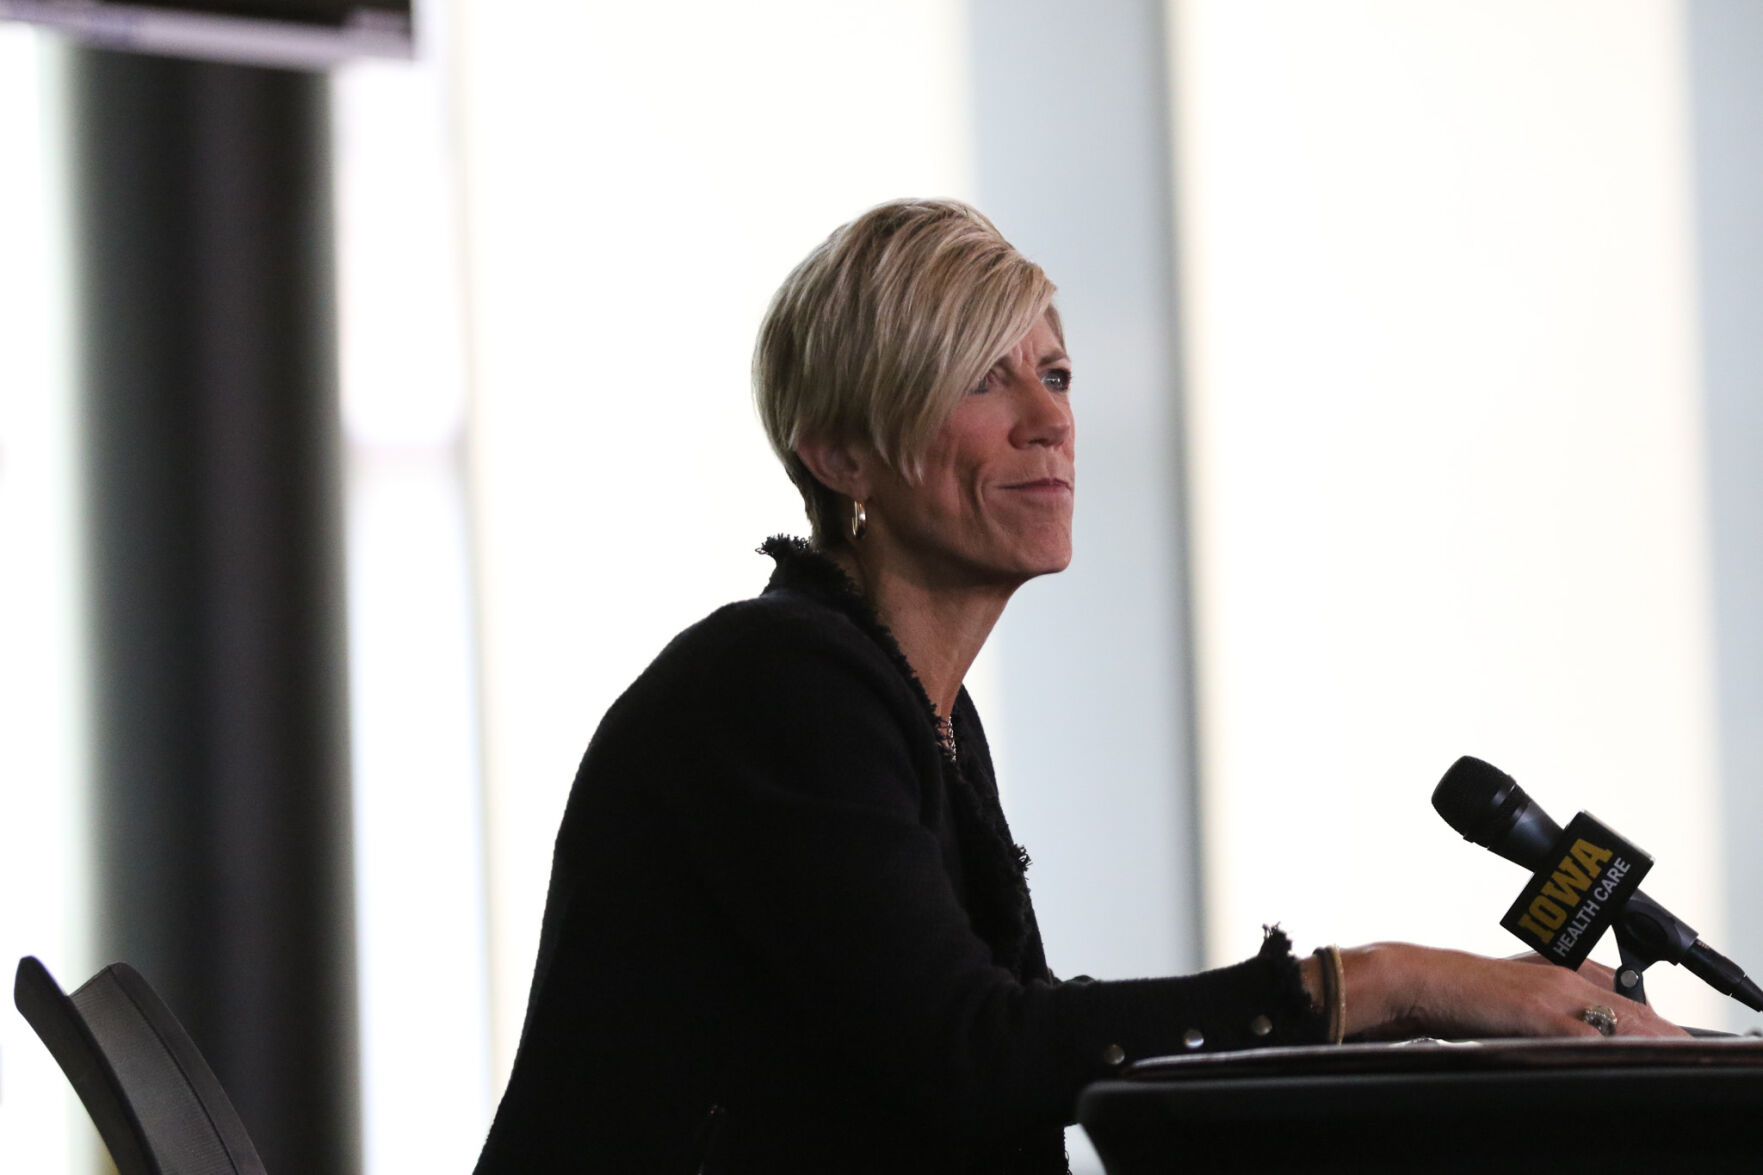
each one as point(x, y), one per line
point(1334, 991)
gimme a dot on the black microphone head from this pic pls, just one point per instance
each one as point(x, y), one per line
point(1471, 795)
point(1485, 805)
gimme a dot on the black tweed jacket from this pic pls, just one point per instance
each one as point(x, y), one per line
point(787, 932)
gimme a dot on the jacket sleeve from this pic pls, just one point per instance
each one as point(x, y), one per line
point(798, 766)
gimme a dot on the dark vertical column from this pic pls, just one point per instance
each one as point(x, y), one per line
point(206, 323)
point(1725, 40)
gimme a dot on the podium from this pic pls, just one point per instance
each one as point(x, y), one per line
point(1554, 1106)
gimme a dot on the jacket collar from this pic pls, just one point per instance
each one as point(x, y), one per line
point(802, 568)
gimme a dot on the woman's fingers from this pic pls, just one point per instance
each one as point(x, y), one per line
point(1588, 999)
point(1595, 985)
point(1403, 989)
point(1634, 1019)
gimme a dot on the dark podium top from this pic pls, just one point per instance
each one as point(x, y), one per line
point(1482, 1106)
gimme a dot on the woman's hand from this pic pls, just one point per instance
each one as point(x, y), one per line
point(1396, 990)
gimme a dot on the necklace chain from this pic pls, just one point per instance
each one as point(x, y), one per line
point(946, 733)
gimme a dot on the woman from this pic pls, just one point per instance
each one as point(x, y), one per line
point(788, 929)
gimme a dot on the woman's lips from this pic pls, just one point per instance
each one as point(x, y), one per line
point(1041, 485)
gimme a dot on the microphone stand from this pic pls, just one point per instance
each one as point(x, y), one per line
point(1635, 959)
point(1647, 932)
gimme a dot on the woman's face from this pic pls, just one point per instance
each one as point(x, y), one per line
point(994, 505)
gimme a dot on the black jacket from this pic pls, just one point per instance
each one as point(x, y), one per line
point(786, 932)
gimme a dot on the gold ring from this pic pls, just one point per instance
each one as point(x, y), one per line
point(1602, 1017)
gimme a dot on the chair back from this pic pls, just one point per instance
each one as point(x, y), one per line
point(153, 1098)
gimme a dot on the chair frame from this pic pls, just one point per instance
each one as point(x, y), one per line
point(152, 1096)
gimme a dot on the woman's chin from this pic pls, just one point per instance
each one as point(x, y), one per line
point(1056, 557)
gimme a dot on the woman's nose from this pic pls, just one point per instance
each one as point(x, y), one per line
point(1045, 416)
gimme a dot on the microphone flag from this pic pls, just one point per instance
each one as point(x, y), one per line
point(1580, 889)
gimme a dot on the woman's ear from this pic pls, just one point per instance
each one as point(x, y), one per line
point(840, 467)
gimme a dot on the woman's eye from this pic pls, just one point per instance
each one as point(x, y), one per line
point(1059, 379)
point(984, 385)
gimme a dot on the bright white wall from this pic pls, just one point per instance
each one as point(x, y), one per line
point(42, 758)
point(420, 911)
point(1446, 438)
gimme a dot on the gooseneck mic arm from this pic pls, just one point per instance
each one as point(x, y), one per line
point(1486, 806)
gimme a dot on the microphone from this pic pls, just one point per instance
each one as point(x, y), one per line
point(1487, 806)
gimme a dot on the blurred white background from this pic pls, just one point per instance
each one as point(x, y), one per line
point(1414, 370)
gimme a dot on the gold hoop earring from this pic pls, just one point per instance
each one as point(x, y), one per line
point(859, 520)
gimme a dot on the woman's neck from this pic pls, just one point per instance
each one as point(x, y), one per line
point(939, 629)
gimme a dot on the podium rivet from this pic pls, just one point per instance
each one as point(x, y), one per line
point(1193, 1038)
point(1261, 1026)
point(1113, 1055)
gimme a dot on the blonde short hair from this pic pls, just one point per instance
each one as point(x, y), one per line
point(880, 331)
